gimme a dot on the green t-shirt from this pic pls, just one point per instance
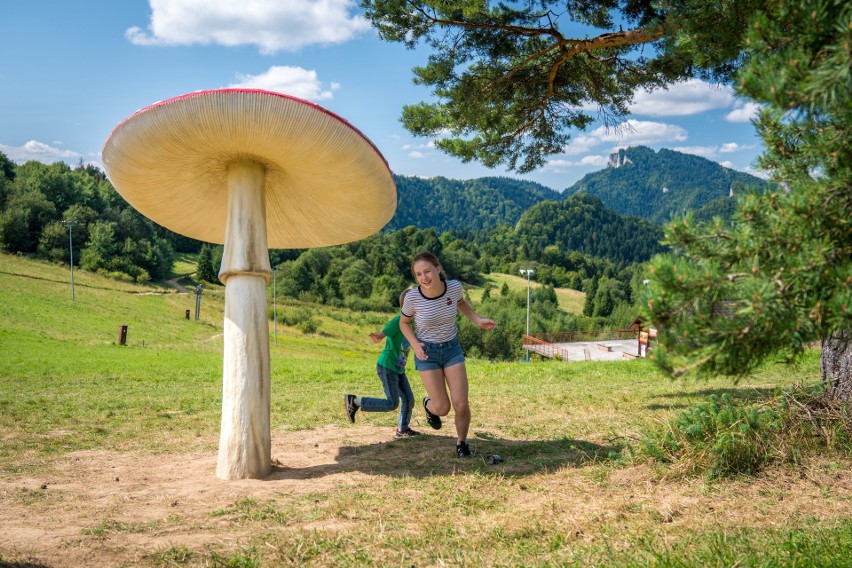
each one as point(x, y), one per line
point(395, 353)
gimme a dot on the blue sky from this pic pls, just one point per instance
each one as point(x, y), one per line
point(72, 70)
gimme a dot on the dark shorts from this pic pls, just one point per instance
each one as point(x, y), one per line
point(440, 355)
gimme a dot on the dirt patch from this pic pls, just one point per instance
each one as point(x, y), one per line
point(114, 508)
point(62, 517)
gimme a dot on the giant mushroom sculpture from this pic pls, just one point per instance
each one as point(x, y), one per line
point(249, 169)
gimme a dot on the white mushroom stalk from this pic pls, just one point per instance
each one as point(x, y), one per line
point(245, 446)
point(250, 169)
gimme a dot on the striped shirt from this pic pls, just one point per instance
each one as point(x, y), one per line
point(434, 318)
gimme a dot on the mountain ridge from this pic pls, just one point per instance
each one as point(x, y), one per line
point(637, 182)
point(658, 186)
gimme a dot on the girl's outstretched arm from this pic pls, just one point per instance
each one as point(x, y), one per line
point(467, 311)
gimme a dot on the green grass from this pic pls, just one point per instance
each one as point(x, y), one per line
point(184, 264)
point(567, 494)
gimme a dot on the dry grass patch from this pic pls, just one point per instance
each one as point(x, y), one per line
point(352, 495)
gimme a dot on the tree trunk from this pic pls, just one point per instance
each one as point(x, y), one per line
point(836, 365)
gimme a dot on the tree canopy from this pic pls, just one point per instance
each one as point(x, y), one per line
point(513, 79)
point(45, 209)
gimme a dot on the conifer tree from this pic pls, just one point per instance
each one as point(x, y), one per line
point(204, 267)
point(780, 276)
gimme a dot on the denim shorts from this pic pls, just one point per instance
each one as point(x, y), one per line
point(440, 355)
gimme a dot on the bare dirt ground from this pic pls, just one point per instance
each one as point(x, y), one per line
point(180, 288)
point(52, 520)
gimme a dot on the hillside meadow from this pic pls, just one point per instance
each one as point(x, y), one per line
point(570, 301)
point(107, 452)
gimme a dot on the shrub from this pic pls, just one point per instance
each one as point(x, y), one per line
point(308, 326)
point(723, 437)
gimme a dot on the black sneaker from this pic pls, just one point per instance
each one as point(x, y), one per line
point(351, 407)
point(407, 433)
point(463, 450)
point(433, 419)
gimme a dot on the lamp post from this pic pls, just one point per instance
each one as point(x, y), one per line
point(528, 272)
point(274, 306)
point(71, 254)
point(198, 290)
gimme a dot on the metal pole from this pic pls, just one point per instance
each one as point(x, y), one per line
point(528, 272)
point(528, 302)
point(71, 254)
point(274, 306)
point(198, 301)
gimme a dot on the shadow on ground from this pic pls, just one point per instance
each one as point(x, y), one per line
point(434, 455)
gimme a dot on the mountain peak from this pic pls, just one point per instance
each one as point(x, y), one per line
point(618, 159)
point(660, 185)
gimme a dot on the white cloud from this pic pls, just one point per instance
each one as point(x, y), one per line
point(416, 154)
point(559, 163)
point(727, 164)
point(295, 81)
point(708, 152)
point(40, 152)
point(271, 25)
point(745, 113)
point(559, 166)
point(593, 160)
point(641, 132)
point(629, 133)
point(712, 152)
point(688, 97)
point(430, 145)
point(729, 147)
point(583, 143)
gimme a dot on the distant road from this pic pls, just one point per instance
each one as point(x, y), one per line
point(174, 284)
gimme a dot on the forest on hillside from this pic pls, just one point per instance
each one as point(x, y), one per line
point(44, 207)
point(476, 204)
point(575, 243)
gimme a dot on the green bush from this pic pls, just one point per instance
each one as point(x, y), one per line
point(724, 437)
point(293, 316)
point(308, 326)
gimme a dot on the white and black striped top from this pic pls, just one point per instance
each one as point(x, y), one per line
point(434, 318)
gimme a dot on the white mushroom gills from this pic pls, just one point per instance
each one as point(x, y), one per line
point(244, 439)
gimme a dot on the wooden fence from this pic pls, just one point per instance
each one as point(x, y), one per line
point(575, 336)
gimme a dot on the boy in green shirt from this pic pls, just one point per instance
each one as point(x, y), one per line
point(391, 370)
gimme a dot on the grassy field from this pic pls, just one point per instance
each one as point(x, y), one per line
point(107, 453)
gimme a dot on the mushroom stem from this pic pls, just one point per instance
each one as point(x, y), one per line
point(244, 441)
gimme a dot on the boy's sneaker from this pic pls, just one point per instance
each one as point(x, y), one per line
point(463, 450)
point(433, 419)
point(351, 407)
point(407, 433)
